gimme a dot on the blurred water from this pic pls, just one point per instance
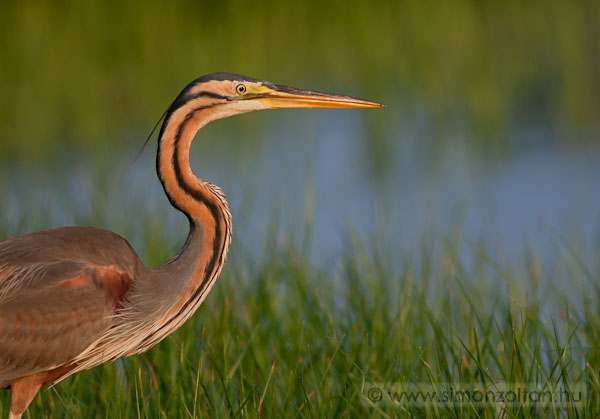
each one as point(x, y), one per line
point(317, 168)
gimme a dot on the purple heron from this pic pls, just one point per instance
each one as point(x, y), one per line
point(72, 298)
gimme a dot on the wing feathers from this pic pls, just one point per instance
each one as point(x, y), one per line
point(54, 307)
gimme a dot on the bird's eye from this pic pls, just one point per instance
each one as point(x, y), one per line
point(240, 89)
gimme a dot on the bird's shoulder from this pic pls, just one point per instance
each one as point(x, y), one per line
point(59, 291)
point(56, 258)
point(77, 243)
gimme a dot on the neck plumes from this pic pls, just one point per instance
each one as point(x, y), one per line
point(194, 270)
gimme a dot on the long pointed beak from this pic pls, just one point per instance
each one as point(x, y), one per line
point(278, 96)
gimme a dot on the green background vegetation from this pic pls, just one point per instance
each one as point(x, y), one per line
point(86, 72)
point(281, 335)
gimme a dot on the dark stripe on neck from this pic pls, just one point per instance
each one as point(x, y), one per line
point(174, 162)
point(214, 210)
point(185, 97)
point(197, 195)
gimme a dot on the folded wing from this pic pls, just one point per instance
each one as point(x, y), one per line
point(56, 299)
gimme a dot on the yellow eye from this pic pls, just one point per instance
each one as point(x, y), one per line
point(240, 89)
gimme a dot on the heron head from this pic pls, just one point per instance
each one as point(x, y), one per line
point(231, 94)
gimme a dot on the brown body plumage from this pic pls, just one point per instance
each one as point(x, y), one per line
point(75, 297)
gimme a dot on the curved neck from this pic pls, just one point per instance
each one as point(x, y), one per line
point(186, 192)
point(192, 272)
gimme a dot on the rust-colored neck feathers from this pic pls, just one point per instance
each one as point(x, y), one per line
point(202, 202)
point(185, 191)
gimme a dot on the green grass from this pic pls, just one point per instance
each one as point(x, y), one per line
point(281, 337)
